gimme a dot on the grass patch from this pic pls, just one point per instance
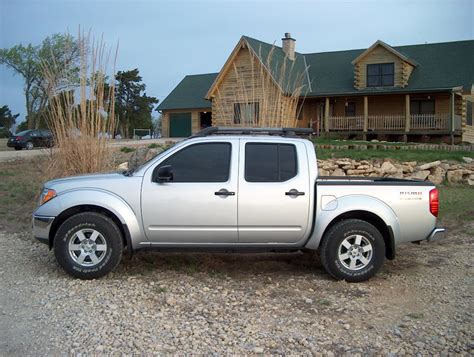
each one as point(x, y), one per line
point(324, 302)
point(153, 146)
point(126, 149)
point(20, 185)
point(456, 205)
point(401, 155)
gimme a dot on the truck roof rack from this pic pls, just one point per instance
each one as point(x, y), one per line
point(287, 132)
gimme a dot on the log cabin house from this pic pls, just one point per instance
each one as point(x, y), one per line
point(416, 92)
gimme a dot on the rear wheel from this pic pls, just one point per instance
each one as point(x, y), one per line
point(88, 245)
point(29, 145)
point(352, 250)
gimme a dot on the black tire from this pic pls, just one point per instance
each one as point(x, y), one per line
point(29, 145)
point(333, 250)
point(86, 225)
point(17, 148)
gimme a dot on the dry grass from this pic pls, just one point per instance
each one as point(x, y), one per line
point(80, 115)
point(279, 100)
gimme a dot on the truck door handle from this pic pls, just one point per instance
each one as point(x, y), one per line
point(224, 192)
point(294, 192)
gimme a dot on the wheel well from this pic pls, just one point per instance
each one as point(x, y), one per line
point(374, 220)
point(87, 208)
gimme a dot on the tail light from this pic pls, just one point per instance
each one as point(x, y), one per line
point(434, 202)
point(19, 138)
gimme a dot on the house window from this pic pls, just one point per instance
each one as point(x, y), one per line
point(380, 75)
point(350, 109)
point(246, 113)
point(422, 106)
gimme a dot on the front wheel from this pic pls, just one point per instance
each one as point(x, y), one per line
point(88, 245)
point(352, 250)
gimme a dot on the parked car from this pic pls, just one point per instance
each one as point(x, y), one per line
point(235, 193)
point(29, 139)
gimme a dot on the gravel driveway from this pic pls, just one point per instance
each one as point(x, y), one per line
point(241, 304)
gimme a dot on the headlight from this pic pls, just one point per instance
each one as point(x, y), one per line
point(46, 195)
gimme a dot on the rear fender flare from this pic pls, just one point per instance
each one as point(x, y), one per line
point(352, 203)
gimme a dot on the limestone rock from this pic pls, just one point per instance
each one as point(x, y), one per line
point(338, 172)
point(420, 175)
point(468, 159)
point(123, 166)
point(152, 153)
point(323, 172)
point(138, 157)
point(388, 168)
point(455, 176)
point(437, 175)
point(430, 165)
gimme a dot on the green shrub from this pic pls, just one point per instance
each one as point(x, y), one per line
point(126, 149)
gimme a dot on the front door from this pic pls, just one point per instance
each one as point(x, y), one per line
point(273, 192)
point(199, 204)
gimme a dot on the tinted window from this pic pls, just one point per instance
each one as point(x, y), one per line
point(201, 163)
point(23, 133)
point(270, 162)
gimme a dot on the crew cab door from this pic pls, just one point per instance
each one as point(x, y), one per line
point(274, 192)
point(199, 203)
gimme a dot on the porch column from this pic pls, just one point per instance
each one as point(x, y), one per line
point(407, 117)
point(366, 116)
point(452, 126)
point(326, 115)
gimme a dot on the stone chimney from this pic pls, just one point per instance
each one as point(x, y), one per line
point(288, 46)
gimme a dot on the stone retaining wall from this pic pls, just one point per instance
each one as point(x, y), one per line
point(436, 172)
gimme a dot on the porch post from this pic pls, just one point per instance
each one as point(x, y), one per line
point(452, 117)
point(326, 115)
point(366, 117)
point(407, 117)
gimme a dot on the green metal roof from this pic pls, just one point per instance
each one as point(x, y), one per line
point(189, 93)
point(440, 67)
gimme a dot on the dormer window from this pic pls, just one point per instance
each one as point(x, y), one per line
point(380, 75)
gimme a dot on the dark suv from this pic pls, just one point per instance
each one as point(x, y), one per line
point(31, 138)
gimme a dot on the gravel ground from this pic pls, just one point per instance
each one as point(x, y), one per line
point(241, 304)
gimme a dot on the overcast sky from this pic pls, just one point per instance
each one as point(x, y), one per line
point(167, 40)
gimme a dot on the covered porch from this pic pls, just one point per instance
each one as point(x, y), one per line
point(396, 114)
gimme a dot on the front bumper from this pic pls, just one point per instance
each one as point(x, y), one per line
point(42, 227)
point(437, 234)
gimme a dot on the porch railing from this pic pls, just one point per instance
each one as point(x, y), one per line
point(395, 122)
point(437, 121)
point(386, 122)
point(346, 123)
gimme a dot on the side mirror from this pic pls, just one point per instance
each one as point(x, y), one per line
point(162, 174)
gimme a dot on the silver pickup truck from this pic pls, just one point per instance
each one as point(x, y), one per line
point(234, 190)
